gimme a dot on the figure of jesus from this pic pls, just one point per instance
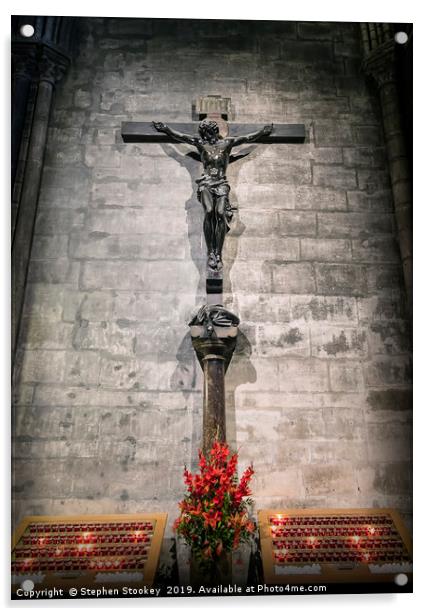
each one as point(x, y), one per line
point(213, 188)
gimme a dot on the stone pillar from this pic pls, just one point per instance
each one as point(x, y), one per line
point(51, 67)
point(214, 331)
point(379, 62)
point(23, 71)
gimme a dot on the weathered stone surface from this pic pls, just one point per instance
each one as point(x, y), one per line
point(303, 375)
point(354, 224)
point(297, 223)
point(334, 176)
point(317, 198)
point(321, 480)
point(324, 309)
point(335, 342)
point(348, 280)
point(292, 278)
point(390, 399)
point(346, 376)
point(325, 250)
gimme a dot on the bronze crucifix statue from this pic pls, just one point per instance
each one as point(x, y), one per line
point(213, 187)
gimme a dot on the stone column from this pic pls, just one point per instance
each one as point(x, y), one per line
point(214, 331)
point(379, 62)
point(51, 67)
point(23, 71)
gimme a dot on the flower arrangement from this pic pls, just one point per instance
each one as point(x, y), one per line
point(214, 512)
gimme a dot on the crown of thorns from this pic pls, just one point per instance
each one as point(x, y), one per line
point(208, 126)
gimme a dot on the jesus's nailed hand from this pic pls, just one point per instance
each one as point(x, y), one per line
point(159, 126)
point(268, 129)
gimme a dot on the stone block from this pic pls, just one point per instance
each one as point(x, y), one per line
point(389, 442)
point(286, 483)
point(320, 31)
point(371, 135)
point(49, 247)
point(50, 271)
point(392, 478)
point(93, 306)
point(390, 337)
point(264, 375)
point(43, 300)
point(100, 245)
point(297, 223)
point(251, 276)
point(102, 156)
point(332, 132)
point(58, 222)
point(284, 249)
point(364, 157)
point(325, 309)
point(334, 176)
point(380, 201)
point(82, 98)
point(30, 485)
point(384, 277)
point(267, 171)
point(337, 279)
point(142, 374)
point(295, 278)
point(279, 340)
point(384, 370)
point(326, 250)
point(64, 187)
point(390, 399)
point(376, 249)
point(387, 307)
point(110, 337)
point(39, 333)
point(41, 366)
point(108, 193)
point(324, 480)
point(253, 196)
point(58, 156)
point(337, 342)
point(354, 224)
point(261, 223)
point(145, 276)
point(130, 221)
point(306, 375)
point(307, 51)
point(372, 180)
point(346, 376)
point(316, 198)
point(82, 368)
point(344, 424)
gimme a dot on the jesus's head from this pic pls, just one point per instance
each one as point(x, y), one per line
point(208, 130)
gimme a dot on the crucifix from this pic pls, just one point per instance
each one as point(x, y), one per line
point(213, 329)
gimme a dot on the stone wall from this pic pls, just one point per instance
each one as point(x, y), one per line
point(108, 395)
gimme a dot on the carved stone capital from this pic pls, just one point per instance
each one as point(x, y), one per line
point(39, 62)
point(220, 348)
point(24, 64)
point(380, 63)
point(214, 321)
point(52, 65)
point(214, 332)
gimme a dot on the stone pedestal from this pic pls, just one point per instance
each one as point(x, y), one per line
point(214, 331)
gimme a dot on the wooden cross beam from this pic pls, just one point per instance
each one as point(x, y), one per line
point(143, 132)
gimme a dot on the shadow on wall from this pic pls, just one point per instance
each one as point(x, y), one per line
point(241, 369)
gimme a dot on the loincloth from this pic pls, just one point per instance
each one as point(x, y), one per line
point(217, 188)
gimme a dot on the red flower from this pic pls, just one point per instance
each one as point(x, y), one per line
point(213, 514)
